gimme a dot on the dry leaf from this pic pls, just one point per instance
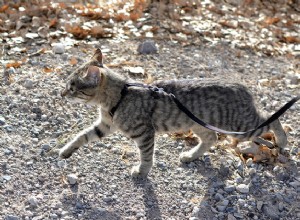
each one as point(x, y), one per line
point(270, 21)
point(77, 31)
point(3, 8)
point(53, 23)
point(291, 39)
point(15, 64)
point(73, 61)
point(188, 137)
point(47, 70)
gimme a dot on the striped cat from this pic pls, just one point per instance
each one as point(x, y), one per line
point(141, 113)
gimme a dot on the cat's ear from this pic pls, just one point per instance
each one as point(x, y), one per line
point(98, 57)
point(93, 75)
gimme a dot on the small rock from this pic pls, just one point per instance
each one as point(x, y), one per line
point(2, 120)
point(9, 128)
point(229, 188)
point(242, 188)
point(295, 184)
point(43, 32)
point(45, 147)
point(195, 212)
point(72, 178)
point(271, 211)
point(28, 84)
point(107, 199)
point(33, 201)
point(147, 47)
point(136, 70)
point(252, 171)
point(224, 169)
point(11, 217)
point(25, 18)
point(58, 48)
point(230, 217)
point(218, 196)
point(221, 206)
point(259, 205)
point(249, 162)
point(6, 177)
point(31, 35)
point(36, 21)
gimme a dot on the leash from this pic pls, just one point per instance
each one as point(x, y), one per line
point(156, 90)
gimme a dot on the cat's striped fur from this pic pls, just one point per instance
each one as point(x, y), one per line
point(141, 114)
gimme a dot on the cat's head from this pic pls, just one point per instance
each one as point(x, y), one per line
point(82, 85)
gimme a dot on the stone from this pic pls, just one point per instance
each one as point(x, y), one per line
point(28, 84)
point(147, 47)
point(45, 146)
point(36, 21)
point(2, 120)
point(72, 178)
point(259, 205)
point(58, 48)
point(229, 188)
point(11, 217)
point(271, 211)
point(249, 162)
point(6, 177)
point(242, 188)
point(231, 217)
point(31, 35)
point(33, 201)
point(136, 70)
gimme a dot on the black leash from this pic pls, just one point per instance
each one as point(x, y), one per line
point(156, 90)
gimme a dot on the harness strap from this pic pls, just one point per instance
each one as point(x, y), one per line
point(155, 89)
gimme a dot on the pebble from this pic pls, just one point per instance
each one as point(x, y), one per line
point(45, 147)
point(58, 48)
point(147, 47)
point(221, 206)
point(6, 177)
point(28, 84)
point(11, 217)
point(249, 162)
point(259, 205)
point(242, 188)
point(61, 163)
point(229, 188)
point(33, 201)
point(31, 35)
point(72, 178)
point(231, 217)
point(295, 184)
point(271, 211)
point(2, 120)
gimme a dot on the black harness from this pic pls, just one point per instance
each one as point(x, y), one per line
point(156, 91)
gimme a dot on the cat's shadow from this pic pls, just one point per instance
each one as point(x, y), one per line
point(150, 199)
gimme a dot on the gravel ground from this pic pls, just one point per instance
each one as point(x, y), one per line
point(95, 182)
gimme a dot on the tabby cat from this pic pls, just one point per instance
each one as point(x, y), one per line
point(140, 114)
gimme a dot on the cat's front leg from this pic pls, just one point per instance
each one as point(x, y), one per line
point(144, 139)
point(95, 132)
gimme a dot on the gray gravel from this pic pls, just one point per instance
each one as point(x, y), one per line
point(95, 183)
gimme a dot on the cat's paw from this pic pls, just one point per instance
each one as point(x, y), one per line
point(65, 152)
point(136, 172)
point(186, 157)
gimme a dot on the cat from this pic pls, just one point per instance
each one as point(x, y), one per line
point(141, 113)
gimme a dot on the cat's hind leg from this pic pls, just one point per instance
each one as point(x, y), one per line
point(207, 139)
